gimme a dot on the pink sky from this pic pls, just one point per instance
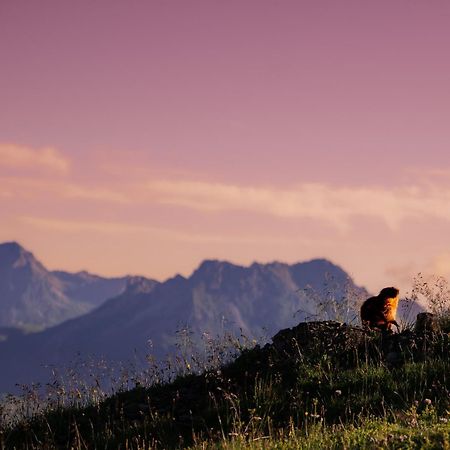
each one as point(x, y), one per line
point(145, 136)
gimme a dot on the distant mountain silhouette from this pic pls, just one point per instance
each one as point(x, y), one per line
point(33, 297)
point(217, 297)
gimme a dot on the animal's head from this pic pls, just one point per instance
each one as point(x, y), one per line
point(389, 292)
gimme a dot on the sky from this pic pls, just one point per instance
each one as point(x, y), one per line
point(144, 136)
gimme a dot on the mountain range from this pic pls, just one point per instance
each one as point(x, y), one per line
point(33, 297)
point(218, 297)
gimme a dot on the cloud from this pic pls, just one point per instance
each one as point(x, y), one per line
point(439, 265)
point(428, 175)
point(336, 205)
point(96, 194)
point(77, 226)
point(21, 157)
point(402, 275)
point(73, 226)
point(339, 207)
point(29, 187)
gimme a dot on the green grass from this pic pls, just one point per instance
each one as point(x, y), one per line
point(372, 434)
point(325, 387)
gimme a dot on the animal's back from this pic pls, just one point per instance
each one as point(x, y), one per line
point(371, 311)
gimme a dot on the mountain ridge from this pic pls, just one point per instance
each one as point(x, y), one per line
point(218, 297)
point(31, 296)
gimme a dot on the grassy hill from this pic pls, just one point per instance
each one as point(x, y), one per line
point(317, 385)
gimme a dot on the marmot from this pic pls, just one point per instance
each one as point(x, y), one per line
point(380, 311)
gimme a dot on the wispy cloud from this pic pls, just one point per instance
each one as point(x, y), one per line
point(440, 264)
point(336, 205)
point(30, 187)
point(333, 205)
point(95, 194)
point(77, 226)
point(71, 226)
point(21, 157)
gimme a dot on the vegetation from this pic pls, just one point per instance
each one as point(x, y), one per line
point(318, 385)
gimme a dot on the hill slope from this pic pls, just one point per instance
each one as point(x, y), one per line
point(317, 385)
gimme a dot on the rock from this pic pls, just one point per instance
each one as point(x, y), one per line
point(426, 323)
point(345, 344)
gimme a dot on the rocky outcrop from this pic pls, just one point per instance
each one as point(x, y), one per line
point(348, 345)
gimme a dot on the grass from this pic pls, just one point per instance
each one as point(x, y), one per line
point(372, 434)
point(320, 385)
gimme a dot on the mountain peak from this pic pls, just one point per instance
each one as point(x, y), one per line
point(320, 264)
point(11, 247)
point(32, 295)
point(210, 266)
point(210, 263)
point(139, 285)
point(13, 254)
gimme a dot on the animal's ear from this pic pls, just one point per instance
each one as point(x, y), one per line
point(389, 292)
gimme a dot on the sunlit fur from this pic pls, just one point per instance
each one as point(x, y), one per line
point(380, 311)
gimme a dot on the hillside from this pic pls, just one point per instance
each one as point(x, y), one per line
point(219, 297)
point(33, 297)
point(317, 385)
